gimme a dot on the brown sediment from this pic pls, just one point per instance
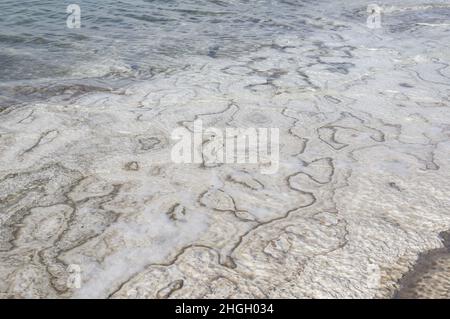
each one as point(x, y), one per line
point(430, 276)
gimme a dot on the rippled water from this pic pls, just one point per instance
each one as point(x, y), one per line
point(129, 39)
point(134, 36)
point(134, 39)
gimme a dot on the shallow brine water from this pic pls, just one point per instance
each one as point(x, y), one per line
point(132, 39)
point(92, 203)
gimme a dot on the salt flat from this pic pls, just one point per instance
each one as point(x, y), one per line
point(89, 192)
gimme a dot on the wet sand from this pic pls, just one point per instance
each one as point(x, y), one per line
point(430, 276)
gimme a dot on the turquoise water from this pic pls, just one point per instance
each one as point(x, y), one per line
point(134, 37)
point(122, 41)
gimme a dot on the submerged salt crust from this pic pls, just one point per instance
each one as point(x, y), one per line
point(362, 187)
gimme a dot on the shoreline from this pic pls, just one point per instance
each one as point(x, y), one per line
point(430, 275)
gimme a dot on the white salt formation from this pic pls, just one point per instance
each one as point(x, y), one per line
point(362, 187)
